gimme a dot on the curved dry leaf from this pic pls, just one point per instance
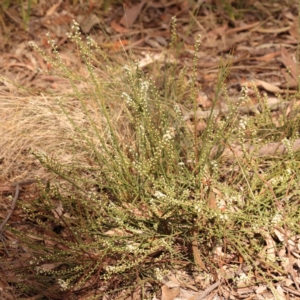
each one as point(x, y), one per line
point(197, 258)
point(271, 248)
point(268, 57)
point(53, 8)
point(242, 28)
point(118, 28)
point(279, 235)
point(267, 86)
point(272, 30)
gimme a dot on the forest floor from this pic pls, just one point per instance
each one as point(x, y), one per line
point(260, 39)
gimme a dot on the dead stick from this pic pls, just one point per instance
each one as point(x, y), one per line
point(208, 290)
point(13, 205)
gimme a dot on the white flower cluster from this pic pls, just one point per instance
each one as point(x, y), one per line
point(64, 285)
point(244, 93)
point(169, 135)
point(159, 274)
point(243, 278)
point(277, 219)
point(127, 98)
point(159, 195)
point(177, 109)
point(144, 87)
point(243, 123)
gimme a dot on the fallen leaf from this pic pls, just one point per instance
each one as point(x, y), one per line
point(267, 86)
point(290, 81)
point(53, 8)
point(173, 278)
point(50, 267)
point(294, 29)
point(272, 30)
point(131, 14)
point(269, 251)
point(169, 293)
point(261, 289)
point(197, 258)
point(279, 235)
point(291, 109)
point(172, 284)
point(242, 28)
point(268, 57)
point(118, 28)
point(116, 46)
point(211, 200)
point(289, 63)
point(289, 282)
point(87, 23)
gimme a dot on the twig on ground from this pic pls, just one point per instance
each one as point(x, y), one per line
point(13, 205)
point(14, 201)
point(292, 291)
point(208, 290)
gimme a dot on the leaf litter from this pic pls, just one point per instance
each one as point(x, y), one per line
point(262, 52)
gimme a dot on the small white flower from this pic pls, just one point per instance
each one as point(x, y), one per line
point(63, 284)
point(177, 109)
point(197, 208)
point(169, 135)
point(126, 68)
point(127, 98)
point(131, 248)
point(277, 219)
point(289, 171)
point(244, 93)
point(243, 123)
point(159, 195)
point(243, 278)
point(144, 86)
point(224, 217)
point(158, 274)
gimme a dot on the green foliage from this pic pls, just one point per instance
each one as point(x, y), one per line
point(132, 210)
